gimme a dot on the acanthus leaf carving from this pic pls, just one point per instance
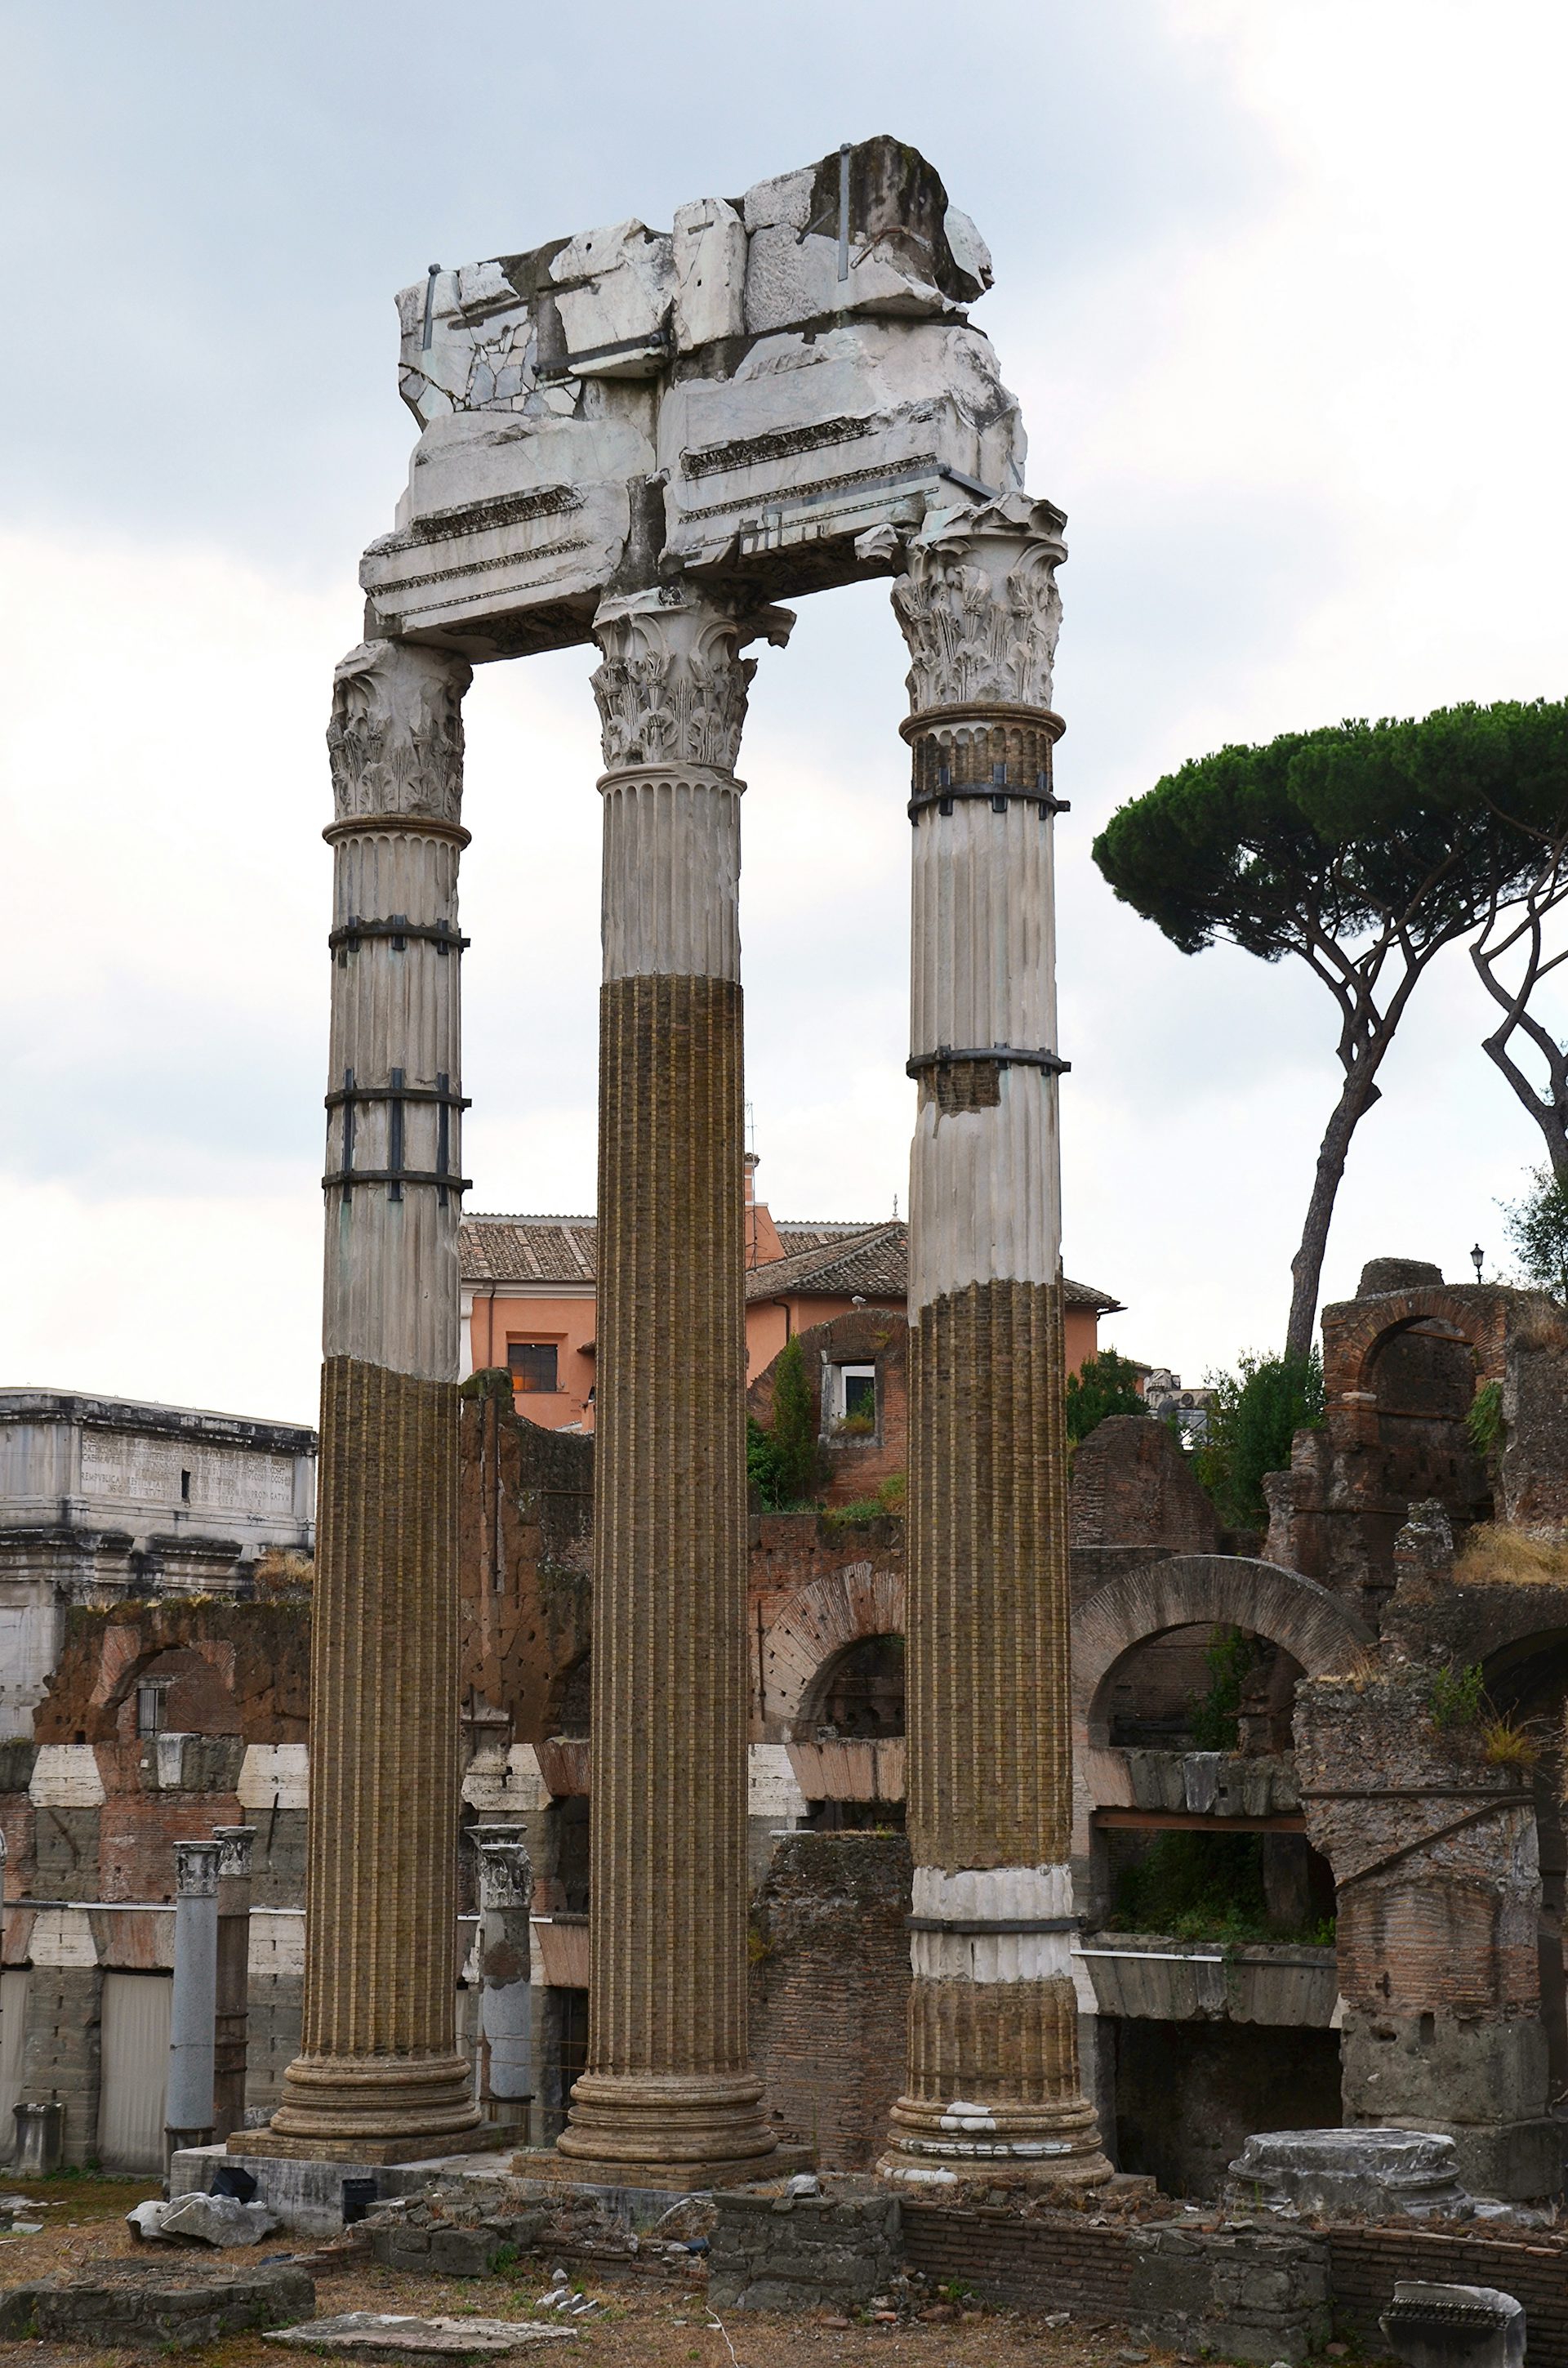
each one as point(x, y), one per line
point(979, 605)
point(395, 741)
point(673, 687)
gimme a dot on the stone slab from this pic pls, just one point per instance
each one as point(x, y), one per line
point(383, 2335)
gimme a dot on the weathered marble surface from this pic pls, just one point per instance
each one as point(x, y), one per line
point(770, 396)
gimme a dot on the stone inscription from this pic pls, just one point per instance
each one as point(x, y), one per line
point(226, 1479)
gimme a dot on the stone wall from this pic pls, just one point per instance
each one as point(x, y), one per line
point(830, 1989)
point(1438, 1890)
point(775, 2251)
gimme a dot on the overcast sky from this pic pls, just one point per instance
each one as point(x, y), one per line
point(1279, 283)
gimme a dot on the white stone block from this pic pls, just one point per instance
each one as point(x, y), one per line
point(62, 1937)
point(614, 287)
point(275, 1775)
point(772, 1790)
point(505, 1783)
point(709, 273)
point(65, 1776)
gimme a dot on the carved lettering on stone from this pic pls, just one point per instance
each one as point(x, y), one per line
point(672, 690)
point(395, 742)
point(979, 605)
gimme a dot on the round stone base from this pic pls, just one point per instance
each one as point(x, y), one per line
point(339, 2106)
point(998, 2145)
point(671, 2119)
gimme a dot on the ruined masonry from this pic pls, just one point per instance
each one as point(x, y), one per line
point(646, 439)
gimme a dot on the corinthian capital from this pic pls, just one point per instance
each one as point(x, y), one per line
point(673, 686)
point(395, 742)
point(978, 604)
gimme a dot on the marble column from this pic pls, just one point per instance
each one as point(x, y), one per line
point(505, 2002)
point(188, 2112)
point(992, 2083)
point(231, 2027)
point(669, 2092)
point(379, 2078)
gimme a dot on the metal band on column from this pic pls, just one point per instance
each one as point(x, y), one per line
point(669, 2089)
point(379, 2078)
point(992, 2088)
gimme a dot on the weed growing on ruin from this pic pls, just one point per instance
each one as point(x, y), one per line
point(1456, 1698)
point(1485, 1420)
point(1505, 1744)
point(1497, 1556)
point(889, 1500)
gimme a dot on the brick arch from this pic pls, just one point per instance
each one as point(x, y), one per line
point(1352, 1333)
point(816, 1625)
point(1193, 1591)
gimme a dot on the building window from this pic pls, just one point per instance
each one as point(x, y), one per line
point(150, 1706)
point(531, 1364)
point(851, 1399)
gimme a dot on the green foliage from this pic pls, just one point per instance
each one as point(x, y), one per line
point(1204, 1886)
point(1456, 1698)
point(782, 1461)
point(762, 1463)
point(1196, 1887)
point(1105, 1384)
point(1485, 1420)
point(889, 1500)
point(1230, 1657)
point(1325, 833)
point(1256, 1414)
point(1538, 1228)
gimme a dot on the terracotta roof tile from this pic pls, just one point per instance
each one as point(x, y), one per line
point(829, 1262)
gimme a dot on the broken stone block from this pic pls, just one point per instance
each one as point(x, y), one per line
point(211, 2219)
point(389, 2335)
point(1454, 2326)
point(1363, 2174)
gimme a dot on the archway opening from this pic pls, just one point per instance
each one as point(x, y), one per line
point(857, 1696)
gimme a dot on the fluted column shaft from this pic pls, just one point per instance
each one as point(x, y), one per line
point(669, 2084)
point(379, 2076)
point(992, 2085)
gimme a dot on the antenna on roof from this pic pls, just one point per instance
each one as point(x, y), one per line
point(751, 1126)
point(896, 1207)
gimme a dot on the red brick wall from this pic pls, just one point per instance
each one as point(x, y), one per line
point(830, 1989)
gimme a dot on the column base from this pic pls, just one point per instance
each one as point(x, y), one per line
point(676, 2177)
point(698, 2127)
point(374, 2109)
point(935, 2145)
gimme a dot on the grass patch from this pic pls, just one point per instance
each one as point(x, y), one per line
point(1495, 1556)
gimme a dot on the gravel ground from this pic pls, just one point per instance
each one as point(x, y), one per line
point(641, 2325)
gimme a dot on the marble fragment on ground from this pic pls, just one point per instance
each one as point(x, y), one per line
point(383, 2335)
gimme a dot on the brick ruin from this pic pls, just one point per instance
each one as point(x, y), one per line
point(1400, 1854)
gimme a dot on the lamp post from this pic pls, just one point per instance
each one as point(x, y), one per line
point(1476, 1255)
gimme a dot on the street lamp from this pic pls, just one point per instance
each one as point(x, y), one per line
point(1476, 1255)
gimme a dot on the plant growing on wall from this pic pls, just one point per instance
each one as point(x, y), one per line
point(1256, 1414)
point(1362, 849)
point(1103, 1386)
